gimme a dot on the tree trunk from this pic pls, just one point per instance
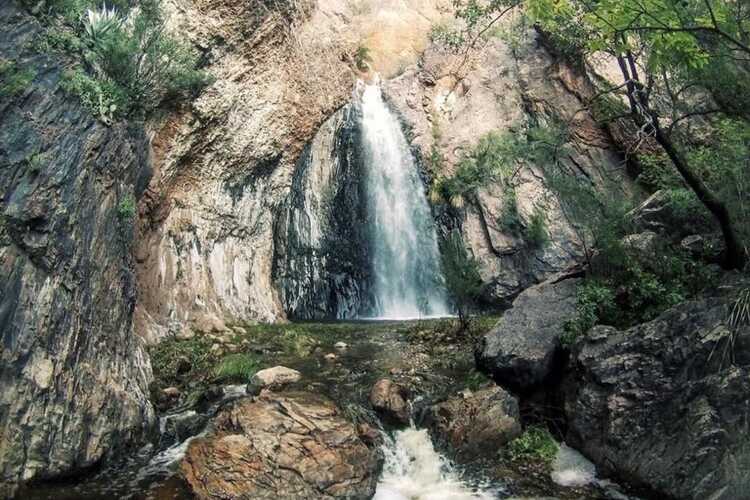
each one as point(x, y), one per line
point(735, 256)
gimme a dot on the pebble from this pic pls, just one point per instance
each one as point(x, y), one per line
point(340, 345)
point(330, 356)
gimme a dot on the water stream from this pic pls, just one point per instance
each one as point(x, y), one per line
point(405, 255)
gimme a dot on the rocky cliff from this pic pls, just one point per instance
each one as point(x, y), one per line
point(73, 375)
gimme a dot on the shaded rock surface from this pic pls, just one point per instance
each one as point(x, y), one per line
point(73, 376)
point(476, 423)
point(667, 403)
point(390, 400)
point(321, 258)
point(294, 446)
point(522, 349)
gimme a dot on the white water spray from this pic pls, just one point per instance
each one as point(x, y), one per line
point(405, 256)
point(413, 470)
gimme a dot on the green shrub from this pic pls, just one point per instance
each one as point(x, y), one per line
point(362, 57)
point(461, 274)
point(536, 443)
point(105, 99)
point(127, 208)
point(535, 233)
point(14, 79)
point(594, 301)
point(239, 367)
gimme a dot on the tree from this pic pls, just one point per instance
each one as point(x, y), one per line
point(461, 272)
point(663, 49)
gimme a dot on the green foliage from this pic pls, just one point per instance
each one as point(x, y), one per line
point(536, 443)
point(239, 367)
point(14, 79)
point(126, 209)
point(37, 161)
point(491, 160)
point(105, 99)
point(740, 313)
point(475, 380)
point(461, 273)
point(170, 353)
point(362, 57)
point(127, 62)
point(510, 220)
point(535, 233)
point(443, 34)
point(594, 301)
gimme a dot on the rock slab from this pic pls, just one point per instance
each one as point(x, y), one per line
point(476, 423)
point(291, 446)
point(520, 351)
point(389, 399)
point(667, 403)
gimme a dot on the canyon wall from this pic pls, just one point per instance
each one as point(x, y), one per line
point(73, 375)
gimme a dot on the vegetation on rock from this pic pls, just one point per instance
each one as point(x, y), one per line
point(125, 63)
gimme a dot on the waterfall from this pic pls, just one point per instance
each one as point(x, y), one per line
point(407, 280)
point(414, 470)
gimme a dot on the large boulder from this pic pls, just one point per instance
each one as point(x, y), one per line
point(390, 401)
point(667, 403)
point(292, 446)
point(522, 349)
point(475, 423)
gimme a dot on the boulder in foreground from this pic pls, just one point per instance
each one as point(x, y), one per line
point(667, 403)
point(293, 446)
point(476, 423)
point(521, 350)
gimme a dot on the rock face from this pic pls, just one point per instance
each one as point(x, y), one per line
point(73, 376)
point(522, 349)
point(389, 399)
point(293, 446)
point(321, 260)
point(476, 423)
point(667, 403)
point(450, 101)
point(224, 167)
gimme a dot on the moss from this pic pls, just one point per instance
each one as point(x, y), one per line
point(14, 79)
point(237, 367)
point(536, 443)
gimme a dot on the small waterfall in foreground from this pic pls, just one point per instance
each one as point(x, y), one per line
point(413, 470)
point(405, 255)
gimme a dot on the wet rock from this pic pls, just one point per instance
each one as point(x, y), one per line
point(390, 401)
point(475, 423)
point(708, 247)
point(292, 445)
point(665, 403)
point(521, 350)
point(370, 435)
point(178, 427)
point(272, 378)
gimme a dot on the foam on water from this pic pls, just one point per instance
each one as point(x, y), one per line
point(570, 468)
point(414, 470)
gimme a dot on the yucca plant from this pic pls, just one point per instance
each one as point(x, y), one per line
point(98, 23)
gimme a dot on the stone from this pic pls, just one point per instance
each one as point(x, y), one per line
point(291, 445)
point(176, 428)
point(171, 392)
point(642, 244)
point(665, 403)
point(389, 400)
point(522, 349)
point(477, 423)
point(341, 345)
point(330, 357)
point(272, 378)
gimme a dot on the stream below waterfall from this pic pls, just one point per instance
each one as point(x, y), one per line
point(421, 354)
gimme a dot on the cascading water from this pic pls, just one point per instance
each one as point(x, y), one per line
point(413, 470)
point(405, 257)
